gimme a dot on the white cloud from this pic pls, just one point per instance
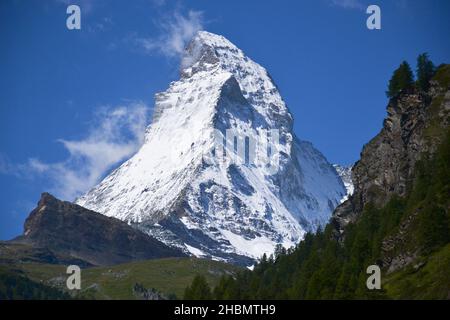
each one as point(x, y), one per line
point(115, 135)
point(349, 4)
point(176, 31)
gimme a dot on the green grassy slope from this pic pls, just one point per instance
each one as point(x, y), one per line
point(168, 276)
point(427, 279)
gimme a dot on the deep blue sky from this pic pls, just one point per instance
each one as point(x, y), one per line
point(331, 70)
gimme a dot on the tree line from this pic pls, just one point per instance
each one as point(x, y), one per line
point(403, 77)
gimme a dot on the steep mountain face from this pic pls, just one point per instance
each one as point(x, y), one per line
point(387, 163)
point(221, 173)
point(61, 229)
point(345, 172)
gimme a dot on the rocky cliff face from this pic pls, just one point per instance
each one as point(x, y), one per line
point(414, 125)
point(61, 227)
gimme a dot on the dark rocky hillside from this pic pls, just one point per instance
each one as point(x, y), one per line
point(60, 232)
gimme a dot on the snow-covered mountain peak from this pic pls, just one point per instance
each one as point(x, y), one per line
point(206, 50)
point(214, 53)
point(224, 103)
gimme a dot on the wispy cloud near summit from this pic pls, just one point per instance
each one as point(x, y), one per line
point(114, 135)
point(176, 30)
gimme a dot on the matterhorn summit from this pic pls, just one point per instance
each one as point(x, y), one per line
point(221, 174)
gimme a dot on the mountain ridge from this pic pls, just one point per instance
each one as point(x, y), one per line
point(181, 188)
point(65, 232)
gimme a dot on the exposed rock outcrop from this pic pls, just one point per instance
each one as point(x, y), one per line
point(413, 127)
point(63, 228)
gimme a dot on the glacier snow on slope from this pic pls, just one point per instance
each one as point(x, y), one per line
point(226, 210)
point(345, 172)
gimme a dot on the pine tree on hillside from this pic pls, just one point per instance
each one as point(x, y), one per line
point(199, 290)
point(425, 71)
point(401, 79)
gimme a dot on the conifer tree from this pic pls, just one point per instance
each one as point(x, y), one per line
point(198, 290)
point(401, 79)
point(425, 71)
